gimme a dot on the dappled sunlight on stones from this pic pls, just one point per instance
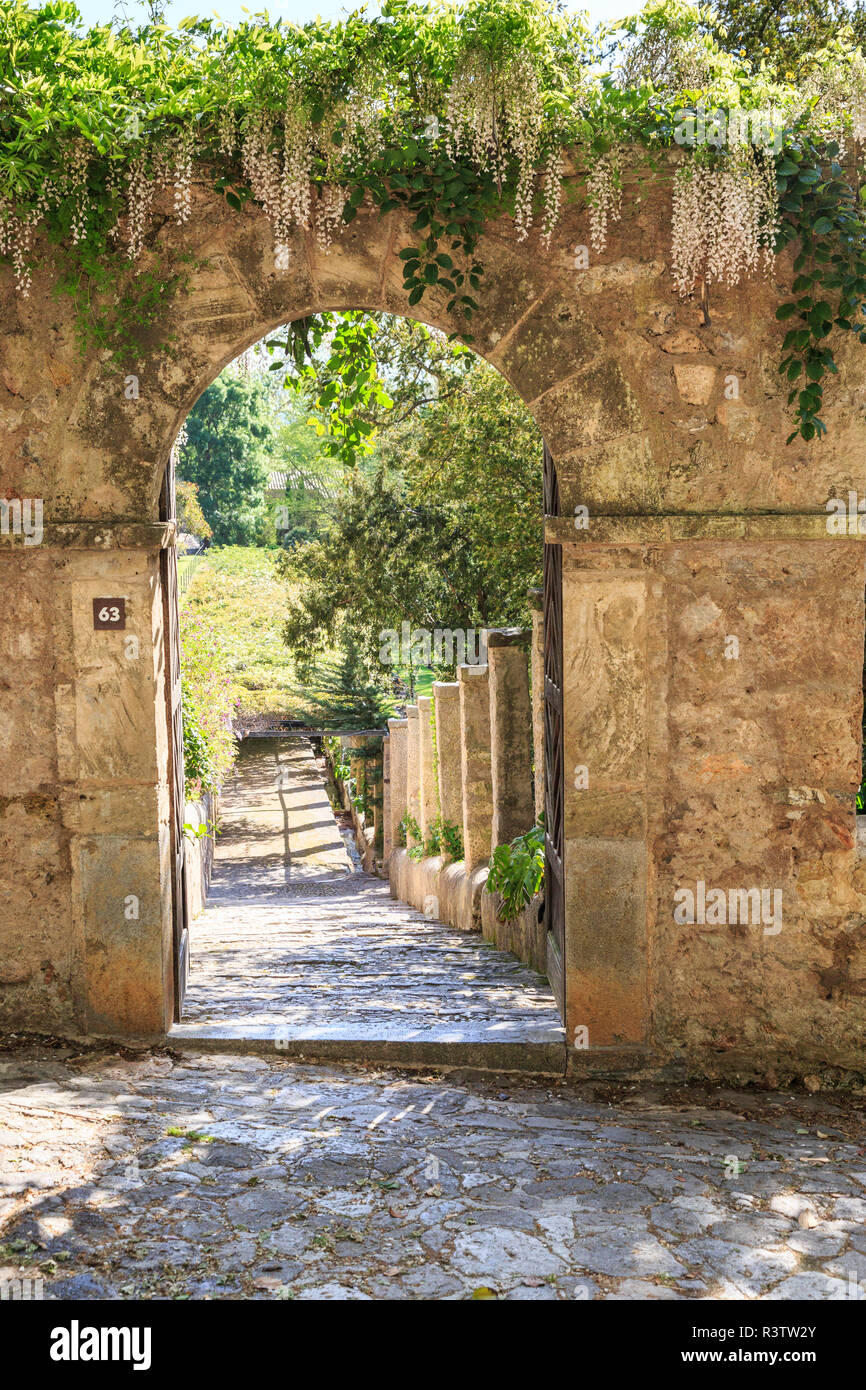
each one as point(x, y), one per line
point(278, 961)
point(222, 1176)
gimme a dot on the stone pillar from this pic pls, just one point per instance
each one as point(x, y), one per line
point(477, 786)
point(85, 844)
point(357, 766)
point(536, 682)
point(413, 767)
point(374, 772)
point(510, 733)
point(398, 742)
point(614, 734)
point(446, 696)
point(387, 842)
point(428, 793)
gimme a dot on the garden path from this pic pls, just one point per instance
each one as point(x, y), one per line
point(219, 1176)
point(300, 951)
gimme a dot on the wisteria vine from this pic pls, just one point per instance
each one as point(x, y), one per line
point(451, 113)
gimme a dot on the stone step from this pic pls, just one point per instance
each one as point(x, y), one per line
point(465, 1049)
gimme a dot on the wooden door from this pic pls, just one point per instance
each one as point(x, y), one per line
point(554, 817)
point(174, 717)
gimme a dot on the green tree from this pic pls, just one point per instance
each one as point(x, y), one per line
point(383, 560)
point(785, 33)
point(479, 454)
point(441, 528)
point(361, 375)
point(232, 432)
point(190, 517)
point(339, 693)
point(312, 478)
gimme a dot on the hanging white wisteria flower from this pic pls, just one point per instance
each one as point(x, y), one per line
point(227, 132)
point(523, 122)
point(604, 195)
point(725, 219)
point(296, 197)
point(280, 181)
point(184, 153)
point(261, 163)
point(114, 180)
point(15, 243)
point(494, 114)
point(329, 214)
point(361, 118)
point(17, 232)
point(551, 193)
point(140, 188)
point(73, 182)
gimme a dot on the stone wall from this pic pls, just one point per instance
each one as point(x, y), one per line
point(524, 936)
point(667, 421)
point(477, 775)
point(199, 853)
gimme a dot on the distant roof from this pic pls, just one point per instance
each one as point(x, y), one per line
point(297, 478)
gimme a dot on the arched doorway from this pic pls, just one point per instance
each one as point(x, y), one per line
point(688, 494)
point(488, 587)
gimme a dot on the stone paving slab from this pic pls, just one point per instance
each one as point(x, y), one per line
point(330, 965)
point(275, 816)
point(235, 1177)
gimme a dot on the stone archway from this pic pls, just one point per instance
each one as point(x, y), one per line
point(668, 426)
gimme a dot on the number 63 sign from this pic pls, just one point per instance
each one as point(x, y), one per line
point(109, 613)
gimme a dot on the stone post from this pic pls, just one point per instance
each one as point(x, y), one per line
point(413, 767)
point(398, 740)
point(510, 733)
point(477, 787)
point(428, 789)
point(536, 680)
point(357, 766)
point(387, 842)
point(446, 696)
point(375, 775)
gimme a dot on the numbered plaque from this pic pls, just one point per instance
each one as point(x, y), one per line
point(109, 614)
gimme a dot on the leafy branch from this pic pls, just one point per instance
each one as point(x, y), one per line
point(517, 872)
point(824, 214)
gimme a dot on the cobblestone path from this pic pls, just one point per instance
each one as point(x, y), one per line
point(299, 950)
point(224, 1176)
point(208, 1172)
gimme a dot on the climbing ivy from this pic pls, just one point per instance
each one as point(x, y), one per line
point(824, 218)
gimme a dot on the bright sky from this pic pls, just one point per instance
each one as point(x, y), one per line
point(299, 11)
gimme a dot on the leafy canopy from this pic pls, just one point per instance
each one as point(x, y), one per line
point(440, 525)
point(232, 434)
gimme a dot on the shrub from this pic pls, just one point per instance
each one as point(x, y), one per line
point(411, 830)
point(209, 745)
point(517, 872)
point(451, 840)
